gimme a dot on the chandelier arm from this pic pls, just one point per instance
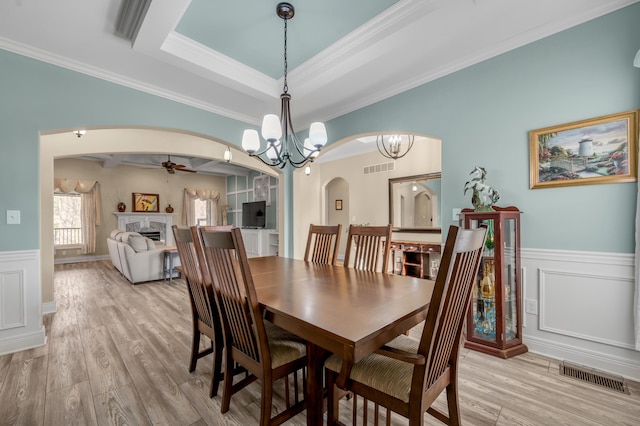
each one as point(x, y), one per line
point(268, 163)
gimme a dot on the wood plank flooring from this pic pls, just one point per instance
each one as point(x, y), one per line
point(118, 354)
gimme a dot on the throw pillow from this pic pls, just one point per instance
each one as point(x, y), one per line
point(138, 243)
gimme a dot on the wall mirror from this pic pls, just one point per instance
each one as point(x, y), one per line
point(414, 203)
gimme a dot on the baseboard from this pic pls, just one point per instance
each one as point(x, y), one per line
point(79, 259)
point(49, 308)
point(626, 367)
point(23, 342)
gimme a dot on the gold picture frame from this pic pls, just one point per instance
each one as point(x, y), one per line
point(593, 151)
point(338, 204)
point(147, 203)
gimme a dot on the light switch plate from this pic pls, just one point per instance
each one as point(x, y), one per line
point(531, 306)
point(456, 213)
point(13, 217)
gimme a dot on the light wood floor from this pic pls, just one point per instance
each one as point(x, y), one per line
point(118, 354)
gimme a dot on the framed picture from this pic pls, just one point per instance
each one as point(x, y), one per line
point(338, 204)
point(149, 203)
point(593, 151)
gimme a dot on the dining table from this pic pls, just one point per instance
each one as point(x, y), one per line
point(337, 310)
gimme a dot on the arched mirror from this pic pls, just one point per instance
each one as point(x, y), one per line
point(414, 203)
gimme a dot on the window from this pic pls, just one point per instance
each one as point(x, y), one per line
point(202, 210)
point(67, 220)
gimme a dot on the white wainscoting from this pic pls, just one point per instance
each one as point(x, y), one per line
point(20, 298)
point(585, 308)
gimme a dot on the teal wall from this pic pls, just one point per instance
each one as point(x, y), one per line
point(37, 97)
point(483, 115)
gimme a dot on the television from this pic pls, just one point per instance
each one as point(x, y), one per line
point(254, 214)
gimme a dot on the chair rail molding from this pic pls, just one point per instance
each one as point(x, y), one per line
point(20, 301)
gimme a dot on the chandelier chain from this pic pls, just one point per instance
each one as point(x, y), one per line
point(285, 89)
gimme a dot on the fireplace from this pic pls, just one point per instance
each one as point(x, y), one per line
point(156, 226)
point(152, 235)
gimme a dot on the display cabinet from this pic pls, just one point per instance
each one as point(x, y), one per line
point(494, 323)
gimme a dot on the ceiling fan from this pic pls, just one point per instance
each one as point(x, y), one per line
point(171, 167)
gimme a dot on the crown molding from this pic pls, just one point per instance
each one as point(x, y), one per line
point(465, 62)
point(73, 65)
point(217, 65)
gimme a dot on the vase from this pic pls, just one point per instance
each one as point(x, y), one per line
point(121, 206)
point(169, 209)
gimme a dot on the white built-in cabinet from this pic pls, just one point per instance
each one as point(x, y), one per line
point(260, 242)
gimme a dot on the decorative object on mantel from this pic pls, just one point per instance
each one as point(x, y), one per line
point(122, 207)
point(169, 209)
point(392, 148)
point(283, 146)
point(483, 196)
point(148, 203)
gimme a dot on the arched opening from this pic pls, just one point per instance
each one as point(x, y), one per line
point(64, 144)
point(337, 208)
point(356, 161)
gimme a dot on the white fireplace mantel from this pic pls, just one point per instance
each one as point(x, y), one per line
point(162, 222)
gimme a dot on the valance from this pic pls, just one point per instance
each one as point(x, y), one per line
point(188, 204)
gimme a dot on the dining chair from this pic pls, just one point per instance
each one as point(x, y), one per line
point(268, 352)
point(407, 375)
point(322, 244)
point(204, 312)
point(370, 245)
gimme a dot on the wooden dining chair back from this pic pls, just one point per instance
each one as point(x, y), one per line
point(368, 248)
point(322, 244)
point(267, 354)
point(407, 375)
point(204, 312)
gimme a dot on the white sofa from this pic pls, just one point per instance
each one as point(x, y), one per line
point(138, 258)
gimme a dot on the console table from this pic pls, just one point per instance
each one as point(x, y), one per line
point(414, 258)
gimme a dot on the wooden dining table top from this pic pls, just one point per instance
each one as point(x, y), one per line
point(336, 309)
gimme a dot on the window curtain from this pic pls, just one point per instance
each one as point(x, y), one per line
point(89, 191)
point(188, 204)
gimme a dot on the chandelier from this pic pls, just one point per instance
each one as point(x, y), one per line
point(391, 146)
point(283, 146)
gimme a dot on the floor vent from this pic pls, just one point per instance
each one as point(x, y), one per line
point(595, 377)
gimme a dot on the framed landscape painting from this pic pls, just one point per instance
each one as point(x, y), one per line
point(148, 203)
point(593, 151)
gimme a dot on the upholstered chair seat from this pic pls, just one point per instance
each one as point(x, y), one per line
point(388, 375)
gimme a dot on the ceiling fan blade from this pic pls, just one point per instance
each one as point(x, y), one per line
point(182, 168)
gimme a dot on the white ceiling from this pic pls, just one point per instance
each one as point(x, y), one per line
point(387, 48)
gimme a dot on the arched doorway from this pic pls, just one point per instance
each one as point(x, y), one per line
point(337, 208)
point(59, 144)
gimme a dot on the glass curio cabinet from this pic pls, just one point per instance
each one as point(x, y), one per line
point(494, 323)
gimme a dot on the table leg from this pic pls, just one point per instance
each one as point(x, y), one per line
point(315, 389)
point(170, 269)
point(164, 265)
